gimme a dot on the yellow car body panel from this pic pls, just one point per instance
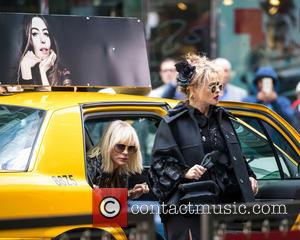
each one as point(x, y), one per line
point(59, 150)
point(59, 153)
point(57, 100)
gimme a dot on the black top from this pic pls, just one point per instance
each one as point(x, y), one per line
point(103, 179)
point(64, 77)
point(222, 171)
point(36, 77)
point(212, 138)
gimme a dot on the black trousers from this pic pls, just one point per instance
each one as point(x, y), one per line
point(177, 227)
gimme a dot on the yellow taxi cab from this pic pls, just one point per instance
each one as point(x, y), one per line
point(44, 136)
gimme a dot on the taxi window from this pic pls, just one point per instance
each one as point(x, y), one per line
point(283, 163)
point(258, 152)
point(286, 154)
point(284, 150)
point(19, 127)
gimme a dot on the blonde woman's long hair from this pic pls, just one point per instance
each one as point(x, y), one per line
point(118, 132)
point(206, 71)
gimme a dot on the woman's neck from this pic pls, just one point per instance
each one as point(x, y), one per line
point(203, 108)
point(115, 167)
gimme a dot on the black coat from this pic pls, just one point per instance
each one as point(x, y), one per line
point(178, 147)
point(103, 179)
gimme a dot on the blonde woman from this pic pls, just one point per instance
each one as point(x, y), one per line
point(196, 142)
point(115, 157)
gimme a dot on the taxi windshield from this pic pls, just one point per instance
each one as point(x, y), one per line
point(19, 127)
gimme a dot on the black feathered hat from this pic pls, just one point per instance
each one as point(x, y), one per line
point(185, 73)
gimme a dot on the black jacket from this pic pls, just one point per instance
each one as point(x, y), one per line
point(103, 179)
point(178, 147)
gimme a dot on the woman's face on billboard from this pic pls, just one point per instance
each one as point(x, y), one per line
point(40, 38)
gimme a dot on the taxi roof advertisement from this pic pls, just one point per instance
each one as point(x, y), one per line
point(53, 50)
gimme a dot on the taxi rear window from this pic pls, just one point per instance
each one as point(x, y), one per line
point(19, 127)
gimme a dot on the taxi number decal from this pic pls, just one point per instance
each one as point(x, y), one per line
point(65, 180)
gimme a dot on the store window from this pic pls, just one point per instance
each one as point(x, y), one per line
point(20, 6)
point(174, 28)
point(111, 8)
point(254, 33)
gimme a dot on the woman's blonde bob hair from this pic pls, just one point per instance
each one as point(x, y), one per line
point(118, 132)
point(206, 71)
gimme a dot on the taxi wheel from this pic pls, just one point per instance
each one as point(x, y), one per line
point(86, 234)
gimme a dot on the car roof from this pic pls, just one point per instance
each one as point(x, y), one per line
point(62, 99)
point(57, 100)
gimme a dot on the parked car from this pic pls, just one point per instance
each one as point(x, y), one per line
point(44, 138)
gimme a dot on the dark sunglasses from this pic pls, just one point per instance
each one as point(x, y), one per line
point(213, 87)
point(120, 148)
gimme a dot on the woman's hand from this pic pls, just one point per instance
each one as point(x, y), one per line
point(138, 190)
point(254, 185)
point(28, 61)
point(45, 65)
point(48, 62)
point(267, 97)
point(195, 172)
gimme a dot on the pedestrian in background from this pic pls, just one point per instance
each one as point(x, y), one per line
point(168, 76)
point(266, 83)
point(230, 92)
